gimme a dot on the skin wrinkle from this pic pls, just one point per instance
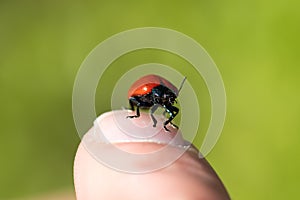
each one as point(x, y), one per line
point(197, 169)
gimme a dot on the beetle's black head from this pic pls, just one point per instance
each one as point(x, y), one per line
point(163, 95)
point(169, 97)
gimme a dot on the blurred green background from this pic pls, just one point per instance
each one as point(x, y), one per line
point(255, 44)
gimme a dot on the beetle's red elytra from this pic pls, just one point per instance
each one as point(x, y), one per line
point(151, 81)
point(152, 91)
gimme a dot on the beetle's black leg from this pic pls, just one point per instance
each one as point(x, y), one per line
point(173, 111)
point(137, 110)
point(137, 113)
point(152, 110)
point(174, 125)
point(132, 102)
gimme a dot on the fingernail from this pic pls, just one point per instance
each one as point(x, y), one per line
point(116, 127)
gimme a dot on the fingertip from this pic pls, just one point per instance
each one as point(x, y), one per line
point(94, 179)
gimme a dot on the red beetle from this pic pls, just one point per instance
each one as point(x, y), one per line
point(152, 91)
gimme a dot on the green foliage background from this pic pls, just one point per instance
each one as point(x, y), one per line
point(254, 43)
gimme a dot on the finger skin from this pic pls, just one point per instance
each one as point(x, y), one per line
point(189, 177)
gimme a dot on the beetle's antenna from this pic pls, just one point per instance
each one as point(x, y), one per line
point(181, 85)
